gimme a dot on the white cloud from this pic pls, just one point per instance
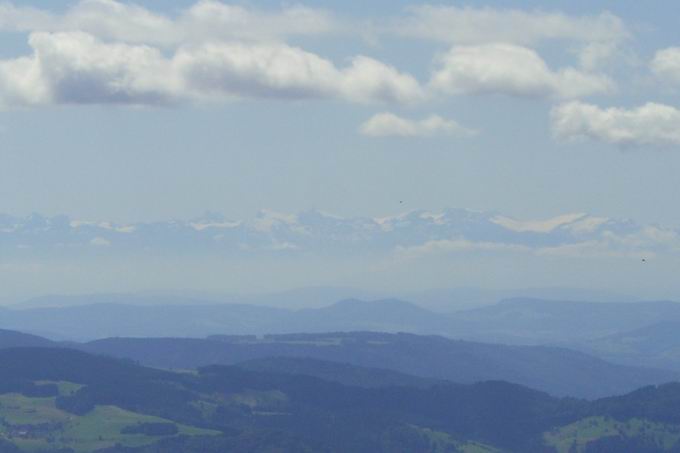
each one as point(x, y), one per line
point(282, 71)
point(666, 64)
point(388, 124)
point(648, 242)
point(105, 51)
point(21, 83)
point(595, 55)
point(206, 20)
point(537, 226)
point(446, 246)
point(511, 70)
point(467, 25)
point(642, 244)
point(587, 224)
point(261, 70)
point(591, 249)
point(597, 37)
point(115, 51)
point(209, 19)
point(650, 124)
point(367, 78)
point(77, 68)
point(100, 242)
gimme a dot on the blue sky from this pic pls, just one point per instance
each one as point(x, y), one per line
point(142, 162)
point(134, 112)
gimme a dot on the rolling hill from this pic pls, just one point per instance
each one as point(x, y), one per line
point(401, 358)
point(514, 321)
point(54, 399)
point(557, 371)
point(13, 339)
point(656, 345)
point(102, 320)
point(536, 321)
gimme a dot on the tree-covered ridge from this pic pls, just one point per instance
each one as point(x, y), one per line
point(54, 400)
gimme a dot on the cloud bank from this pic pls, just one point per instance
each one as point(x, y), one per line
point(106, 51)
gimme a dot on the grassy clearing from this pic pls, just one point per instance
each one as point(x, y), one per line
point(65, 388)
point(576, 436)
point(35, 423)
point(442, 442)
point(259, 399)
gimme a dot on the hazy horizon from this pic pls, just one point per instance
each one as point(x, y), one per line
point(271, 252)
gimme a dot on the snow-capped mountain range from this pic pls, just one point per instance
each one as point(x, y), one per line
point(451, 230)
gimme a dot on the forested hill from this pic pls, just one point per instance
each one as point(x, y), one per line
point(401, 358)
point(70, 394)
point(558, 371)
point(11, 339)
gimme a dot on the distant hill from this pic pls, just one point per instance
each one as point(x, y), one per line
point(513, 321)
point(449, 300)
point(631, 334)
point(62, 301)
point(656, 345)
point(536, 321)
point(388, 315)
point(342, 373)
point(554, 370)
point(110, 320)
point(444, 300)
point(12, 339)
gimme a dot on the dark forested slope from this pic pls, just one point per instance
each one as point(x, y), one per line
point(224, 408)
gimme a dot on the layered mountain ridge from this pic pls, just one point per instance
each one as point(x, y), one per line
point(410, 232)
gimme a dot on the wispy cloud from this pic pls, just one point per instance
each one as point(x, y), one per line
point(206, 20)
point(446, 246)
point(388, 124)
point(475, 25)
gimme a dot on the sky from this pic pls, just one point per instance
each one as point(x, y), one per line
point(149, 111)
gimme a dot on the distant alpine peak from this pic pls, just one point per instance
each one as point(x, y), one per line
point(452, 230)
